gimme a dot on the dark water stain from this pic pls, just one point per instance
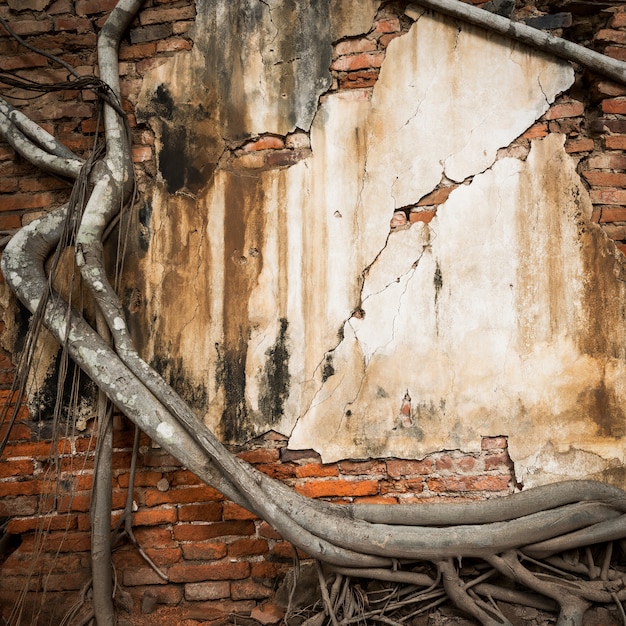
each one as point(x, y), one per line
point(230, 374)
point(328, 368)
point(173, 372)
point(144, 232)
point(275, 382)
point(163, 103)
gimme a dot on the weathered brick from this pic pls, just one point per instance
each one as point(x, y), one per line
point(401, 467)
point(614, 105)
point(250, 546)
point(605, 179)
point(155, 537)
point(260, 455)
point(559, 110)
point(89, 7)
point(612, 35)
point(185, 478)
point(142, 576)
point(233, 511)
point(466, 463)
point(157, 15)
point(359, 80)
point(582, 144)
point(538, 130)
point(362, 61)
point(205, 512)
point(452, 484)
point(150, 33)
point(22, 61)
point(181, 495)
point(495, 461)
point(607, 161)
point(16, 467)
point(202, 532)
point(356, 468)
point(32, 27)
point(142, 479)
point(174, 44)
point(437, 197)
point(387, 25)
point(207, 590)
point(264, 143)
point(615, 142)
point(608, 196)
point(612, 214)
point(137, 51)
point(616, 52)
point(250, 590)
point(353, 46)
point(153, 517)
point(424, 215)
point(331, 487)
point(79, 24)
point(191, 572)
point(18, 505)
point(498, 443)
point(204, 551)
point(316, 470)
point(21, 201)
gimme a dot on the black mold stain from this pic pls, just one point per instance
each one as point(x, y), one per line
point(43, 404)
point(163, 103)
point(328, 369)
point(230, 374)
point(144, 214)
point(172, 157)
point(174, 374)
point(275, 387)
point(437, 281)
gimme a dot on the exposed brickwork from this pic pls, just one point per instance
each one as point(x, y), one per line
point(218, 556)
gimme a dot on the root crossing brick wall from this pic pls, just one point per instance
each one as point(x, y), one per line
point(216, 557)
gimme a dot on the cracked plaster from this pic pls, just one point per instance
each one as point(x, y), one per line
point(485, 316)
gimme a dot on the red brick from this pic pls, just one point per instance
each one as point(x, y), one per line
point(280, 471)
point(250, 590)
point(401, 467)
point(157, 15)
point(247, 547)
point(387, 25)
point(63, 582)
point(207, 591)
point(352, 46)
point(618, 20)
point(605, 179)
point(607, 161)
point(385, 39)
point(143, 576)
point(285, 551)
point(260, 455)
point(614, 105)
point(565, 109)
point(191, 572)
point(360, 61)
point(491, 443)
point(616, 52)
point(359, 80)
point(142, 479)
point(356, 468)
point(155, 537)
point(153, 517)
point(584, 144)
point(202, 532)
point(21, 201)
point(265, 569)
point(141, 154)
point(233, 511)
point(615, 142)
point(453, 484)
point(138, 51)
point(265, 530)
point(608, 196)
point(21, 525)
point(537, 130)
point(20, 505)
point(174, 44)
point(437, 197)
point(21, 61)
point(18, 432)
point(495, 461)
point(466, 463)
point(185, 478)
point(204, 551)
point(611, 214)
point(73, 23)
point(89, 7)
point(67, 542)
point(316, 470)
point(330, 488)
point(32, 27)
point(608, 34)
point(425, 216)
point(205, 512)
point(16, 467)
point(181, 495)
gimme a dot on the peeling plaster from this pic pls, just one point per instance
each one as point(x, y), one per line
point(484, 322)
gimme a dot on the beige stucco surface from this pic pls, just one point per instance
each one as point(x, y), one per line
point(278, 299)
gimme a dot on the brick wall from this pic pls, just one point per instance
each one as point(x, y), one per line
point(218, 557)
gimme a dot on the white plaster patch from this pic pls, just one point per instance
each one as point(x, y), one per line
point(166, 431)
